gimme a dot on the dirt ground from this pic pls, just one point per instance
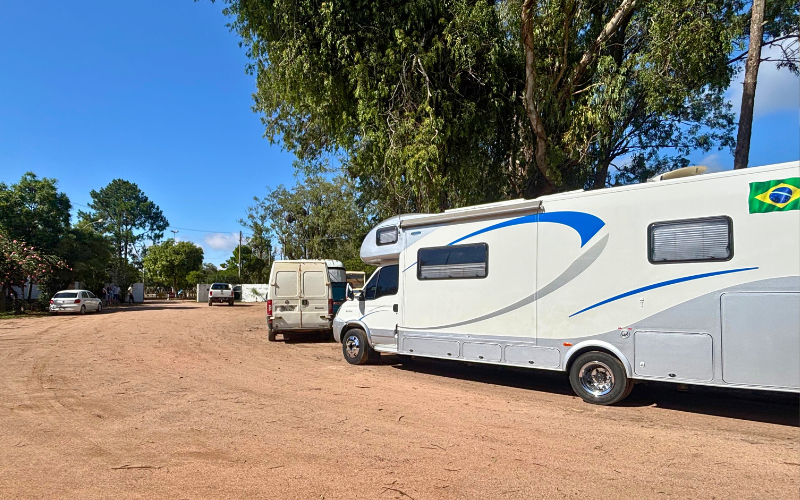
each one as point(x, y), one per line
point(182, 400)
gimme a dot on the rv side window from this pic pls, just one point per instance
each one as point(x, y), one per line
point(453, 262)
point(694, 240)
point(386, 236)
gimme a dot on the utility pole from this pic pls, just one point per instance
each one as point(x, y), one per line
point(742, 153)
point(240, 256)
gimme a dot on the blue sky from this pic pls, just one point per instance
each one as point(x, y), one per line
point(155, 92)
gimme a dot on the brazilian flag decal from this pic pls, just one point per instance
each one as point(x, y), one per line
point(775, 196)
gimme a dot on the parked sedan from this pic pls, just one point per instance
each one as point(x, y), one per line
point(79, 301)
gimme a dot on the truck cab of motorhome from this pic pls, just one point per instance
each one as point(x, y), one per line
point(301, 296)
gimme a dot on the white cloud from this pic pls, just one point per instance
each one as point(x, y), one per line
point(776, 90)
point(716, 162)
point(222, 241)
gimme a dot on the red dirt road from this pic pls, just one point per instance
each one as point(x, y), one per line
point(181, 400)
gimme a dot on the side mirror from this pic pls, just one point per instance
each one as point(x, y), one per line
point(360, 295)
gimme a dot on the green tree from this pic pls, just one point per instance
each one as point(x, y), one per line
point(169, 263)
point(317, 219)
point(255, 268)
point(126, 214)
point(33, 210)
point(21, 262)
point(434, 104)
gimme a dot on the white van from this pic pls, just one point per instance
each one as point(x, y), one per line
point(300, 296)
point(693, 279)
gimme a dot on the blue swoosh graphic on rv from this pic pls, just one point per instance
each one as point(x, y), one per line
point(586, 225)
point(662, 284)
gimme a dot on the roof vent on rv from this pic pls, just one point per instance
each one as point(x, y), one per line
point(681, 172)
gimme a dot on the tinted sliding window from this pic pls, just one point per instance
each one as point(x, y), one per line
point(694, 240)
point(386, 236)
point(453, 262)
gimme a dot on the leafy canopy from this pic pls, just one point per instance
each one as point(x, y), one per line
point(169, 263)
point(122, 211)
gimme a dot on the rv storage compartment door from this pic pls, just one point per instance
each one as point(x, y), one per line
point(760, 339)
point(481, 351)
point(674, 356)
point(532, 356)
point(430, 347)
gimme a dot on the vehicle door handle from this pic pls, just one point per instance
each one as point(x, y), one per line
point(394, 308)
point(305, 302)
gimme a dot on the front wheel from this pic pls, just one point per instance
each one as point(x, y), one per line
point(599, 378)
point(355, 347)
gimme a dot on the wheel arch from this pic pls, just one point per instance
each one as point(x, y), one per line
point(355, 324)
point(596, 345)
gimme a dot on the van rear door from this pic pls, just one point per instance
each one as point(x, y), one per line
point(286, 302)
point(314, 296)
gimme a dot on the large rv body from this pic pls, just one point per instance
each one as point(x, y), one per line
point(674, 280)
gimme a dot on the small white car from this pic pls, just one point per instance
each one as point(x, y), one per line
point(79, 301)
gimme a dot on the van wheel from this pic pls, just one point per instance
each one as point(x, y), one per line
point(271, 335)
point(355, 347)
point(599, 378)
point(209, 302)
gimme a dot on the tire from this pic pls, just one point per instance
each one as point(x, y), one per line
point(83, 309)
point(599, 378)
point(271, 334)
point(99, 308)
point(209, 302)
point(230, 302)
point(355, 347)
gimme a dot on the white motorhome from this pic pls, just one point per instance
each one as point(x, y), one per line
point(301, 295)
point(694, 280)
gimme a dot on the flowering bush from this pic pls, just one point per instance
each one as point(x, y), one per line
point(20, 262)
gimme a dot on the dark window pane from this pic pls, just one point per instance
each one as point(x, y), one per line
point(387, 281)
point(452, 262)
point(371, 287)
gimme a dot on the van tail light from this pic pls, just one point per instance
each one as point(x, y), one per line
point(77, 301)
point(269, 307)
point(330, 306)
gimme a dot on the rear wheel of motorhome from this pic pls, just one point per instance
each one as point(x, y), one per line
point(355, 347)
point(599, 378)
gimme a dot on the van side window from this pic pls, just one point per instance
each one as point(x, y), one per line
point(453, 262)
point(384, 282)
point(387, 281)
point(691, 240)
point(371, 287)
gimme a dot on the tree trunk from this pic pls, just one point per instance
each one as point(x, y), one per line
point(749, 91)
point(539, 132)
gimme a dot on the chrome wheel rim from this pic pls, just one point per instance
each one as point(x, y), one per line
point(596, 378)
point(352, 346)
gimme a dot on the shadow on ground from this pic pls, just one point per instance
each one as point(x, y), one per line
point(758, 406)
